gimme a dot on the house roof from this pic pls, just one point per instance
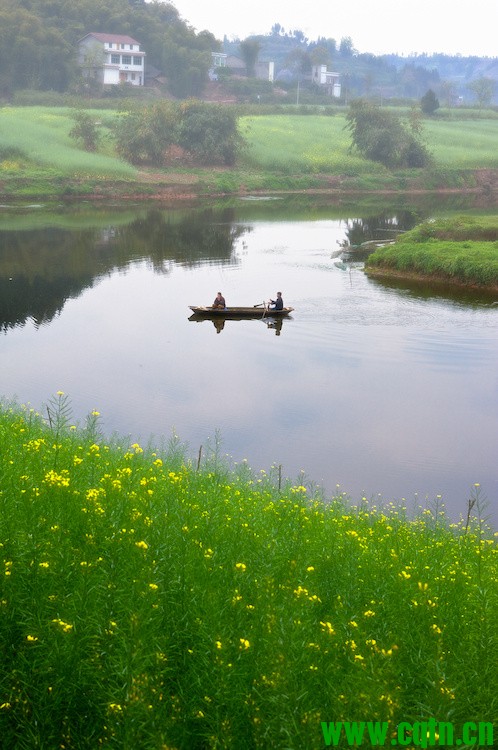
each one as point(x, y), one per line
point(115, 38)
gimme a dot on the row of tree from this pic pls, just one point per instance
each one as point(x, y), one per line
point(205, 133)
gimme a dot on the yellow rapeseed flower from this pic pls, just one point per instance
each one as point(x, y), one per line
point(241, 566)
point(244, 644)
point(64, 626)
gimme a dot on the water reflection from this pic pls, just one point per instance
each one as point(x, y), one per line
point(385, 225)
point(272, 324)
point(378, 387)
point(40, 269)
point(423, 289)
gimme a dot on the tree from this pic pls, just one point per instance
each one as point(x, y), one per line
point(249, 49)
point(28, 50)
point(84, 129)
point(429, 103)
point(381, 136)
point(483, 89)
point(448, 91)
point(209, 132)
point(144, 134)
point(186, 61)
point(319, 55)
point(299, 62)
point(346, 47)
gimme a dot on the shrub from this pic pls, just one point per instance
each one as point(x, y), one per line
point(144, 134)
point(85, 130)
point(429, 102)
point(381, 136)
point(209, 132)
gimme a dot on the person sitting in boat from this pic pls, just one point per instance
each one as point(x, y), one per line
point(277, 304)
point(219, 302)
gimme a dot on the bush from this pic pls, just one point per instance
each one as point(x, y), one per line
point(209, 132)
point(85, 130)
point(144, 134)
point(381, 136)
point(429, 103)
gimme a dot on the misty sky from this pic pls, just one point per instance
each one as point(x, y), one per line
point(401, 26)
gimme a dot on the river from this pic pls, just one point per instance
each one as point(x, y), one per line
point(380, 390)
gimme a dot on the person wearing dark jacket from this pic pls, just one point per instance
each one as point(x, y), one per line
point(219, 302)
point(277, 304)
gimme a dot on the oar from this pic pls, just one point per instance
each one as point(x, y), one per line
point(261, 304)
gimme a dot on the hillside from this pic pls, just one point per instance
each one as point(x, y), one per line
point(35, 33)
point(364, 74)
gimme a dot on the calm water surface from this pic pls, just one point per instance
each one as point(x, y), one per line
point(379, 388)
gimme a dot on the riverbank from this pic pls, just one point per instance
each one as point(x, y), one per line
point(173, 185)
point(462, 251)
point(149, 600)
point(288, 153)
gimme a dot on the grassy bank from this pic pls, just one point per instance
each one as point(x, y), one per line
point(284, 153)
point(148, 602)
point(463, 250)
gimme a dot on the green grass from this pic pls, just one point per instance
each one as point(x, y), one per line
point(150, 603)
point(284, 152)
point(294, 144)
point(320, 144)
point(34, 138)
point(459, 249)
point(463, 144)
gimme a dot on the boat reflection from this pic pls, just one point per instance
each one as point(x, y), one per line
point(273, 323)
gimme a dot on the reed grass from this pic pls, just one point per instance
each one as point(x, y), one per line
point(147, 602)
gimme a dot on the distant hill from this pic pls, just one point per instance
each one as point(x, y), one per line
point(364, 74)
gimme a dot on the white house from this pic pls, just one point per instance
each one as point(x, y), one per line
point(112, 59)
point(321, 76)
point(218, 60)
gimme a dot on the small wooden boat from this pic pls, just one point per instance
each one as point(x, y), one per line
point(257, 311)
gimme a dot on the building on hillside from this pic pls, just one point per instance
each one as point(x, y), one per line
point(112, 59)
point(263, 71)
point(218, 60)
point(324, 78)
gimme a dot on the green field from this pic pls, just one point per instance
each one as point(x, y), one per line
point(321, 144)
point(283, 152)
point(38, 138)
point(293, 144)
point(146, 602)
point(464, 143)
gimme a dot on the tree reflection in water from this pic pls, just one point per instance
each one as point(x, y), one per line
point(40, 269)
